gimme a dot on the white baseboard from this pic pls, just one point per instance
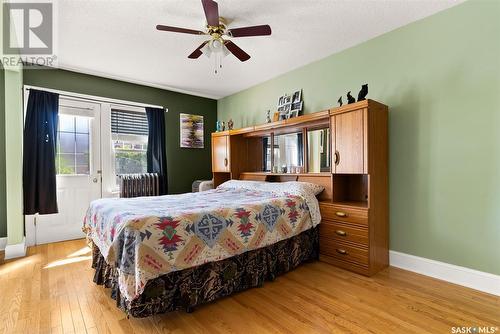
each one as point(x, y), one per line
point(470, 278)
point(3, 243)
point(16, 250)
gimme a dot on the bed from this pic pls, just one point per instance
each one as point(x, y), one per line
point(175, 252)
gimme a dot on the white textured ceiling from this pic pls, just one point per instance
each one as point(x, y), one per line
point(118, 38)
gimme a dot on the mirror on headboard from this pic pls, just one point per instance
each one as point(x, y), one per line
point(288, 153)
point(318, 150)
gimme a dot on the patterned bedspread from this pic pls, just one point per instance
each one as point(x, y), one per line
point(147, 237)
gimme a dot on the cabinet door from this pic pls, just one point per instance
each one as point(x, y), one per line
point(220, 157)
point(349, 142)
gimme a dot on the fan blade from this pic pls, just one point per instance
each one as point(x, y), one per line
point(181, 30)
point(197, 53)
point(263, 30)
point(211, 9)
point(235, 50)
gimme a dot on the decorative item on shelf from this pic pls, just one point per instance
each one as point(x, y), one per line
point(230, 124)
point(276, 116)
point(223, 126)
point(299, 169)
point(350, 98)
point(363, 92)
point(268, 118)
point(297, 103)
point(218, 126)
point(276, 169)
point(191, 131)
point(297, 96)
point(290, 105)
point(340, 101)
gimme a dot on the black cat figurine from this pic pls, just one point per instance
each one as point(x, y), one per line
point(363, 92)
point(350, 99)
point(340, 101)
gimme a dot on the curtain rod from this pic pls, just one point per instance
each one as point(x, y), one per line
point(100, 99)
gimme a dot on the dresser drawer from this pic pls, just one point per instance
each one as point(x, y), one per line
point(344, 232)
point(342, 251)
point(343, 213)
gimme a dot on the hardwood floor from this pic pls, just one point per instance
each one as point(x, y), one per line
point(51, 290)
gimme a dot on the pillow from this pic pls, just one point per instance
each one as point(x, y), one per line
point(306, 190)
point(238, 184)
point(309, 187)
point(290, 186)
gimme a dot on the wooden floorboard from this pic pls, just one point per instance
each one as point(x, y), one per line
point(51, 291)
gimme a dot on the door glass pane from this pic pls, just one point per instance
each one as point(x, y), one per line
point(82, 125)
point(66, 123)
point(67, 142)
point(82, 169)
point(82, 143)
point(73, 147)
point(65, 163)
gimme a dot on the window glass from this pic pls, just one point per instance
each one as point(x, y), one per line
point(129, 136)
point(130, 155)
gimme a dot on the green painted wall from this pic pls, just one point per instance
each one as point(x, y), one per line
point(13, 154)
point(184, 165)
point(440, 78)
point(3, 209)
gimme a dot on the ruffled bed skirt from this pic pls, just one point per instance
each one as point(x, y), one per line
point(185, 289)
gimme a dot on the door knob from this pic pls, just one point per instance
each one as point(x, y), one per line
point(94, 180)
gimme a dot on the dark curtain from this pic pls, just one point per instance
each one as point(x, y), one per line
point(39, 153)
point(157, 152)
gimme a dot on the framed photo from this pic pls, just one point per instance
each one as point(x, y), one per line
point(283, 115)
point(276, 116)
point(287, 107)
point(287, 99)
point(280, 101)
point(297, 105)
point(297, 96)
point(294, 113)
point(191, 131)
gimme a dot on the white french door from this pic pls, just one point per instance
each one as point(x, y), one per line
point(78, 166)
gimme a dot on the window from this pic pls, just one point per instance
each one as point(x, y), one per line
point(129, 136)
point(73, 142)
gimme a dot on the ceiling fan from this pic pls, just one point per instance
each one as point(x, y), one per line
point(219, 44)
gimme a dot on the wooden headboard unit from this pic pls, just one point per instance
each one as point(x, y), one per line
point(355, 188)
point(323, 179)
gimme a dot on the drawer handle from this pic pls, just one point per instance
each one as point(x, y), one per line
point(341, 214)
point(341, 251)
point(341, 233)
point(225, 161)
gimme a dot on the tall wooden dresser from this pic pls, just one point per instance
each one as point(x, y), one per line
point(354, 233)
